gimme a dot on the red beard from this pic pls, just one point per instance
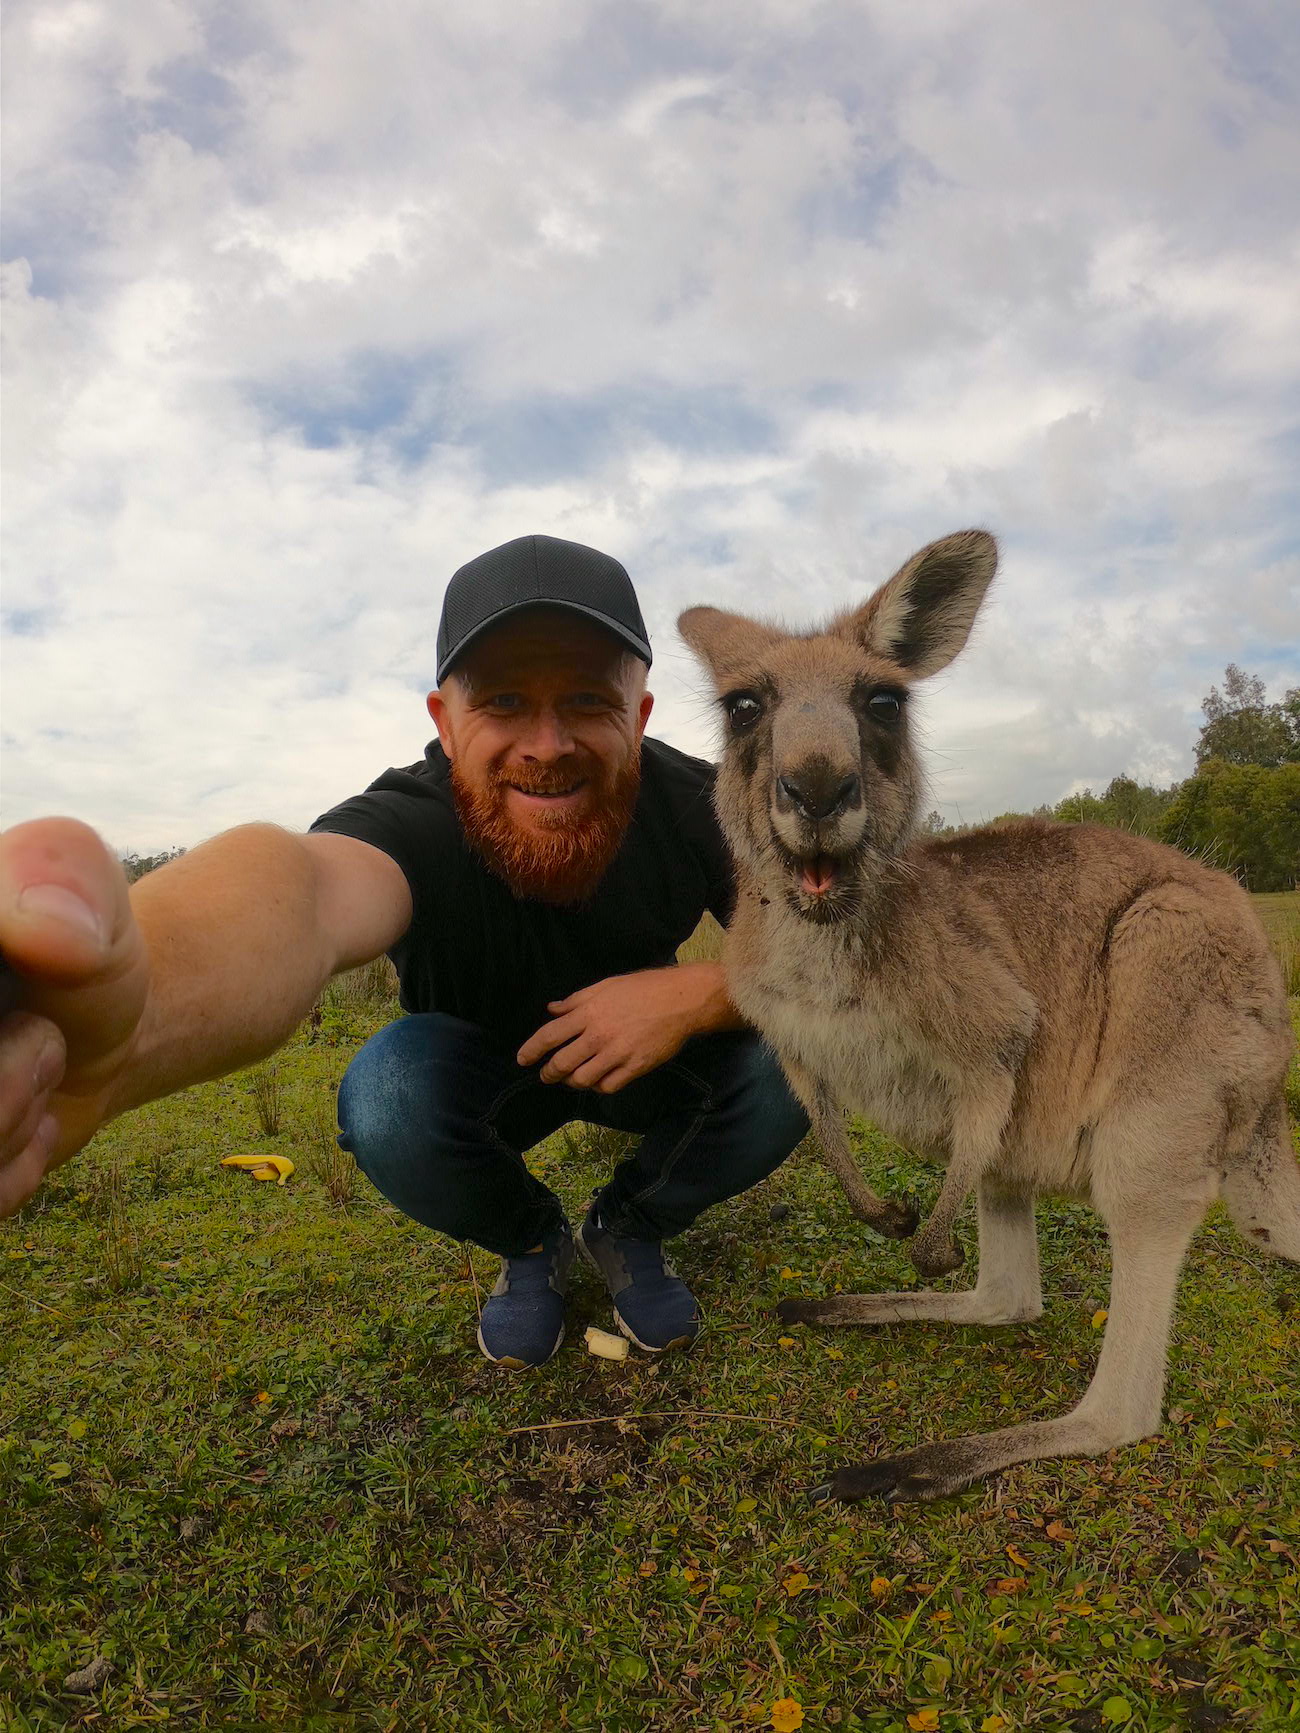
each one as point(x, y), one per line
point(564, 859)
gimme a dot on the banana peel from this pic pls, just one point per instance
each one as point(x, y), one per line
point(276, 1167)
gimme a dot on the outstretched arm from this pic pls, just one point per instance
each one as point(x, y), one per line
point(114, 997)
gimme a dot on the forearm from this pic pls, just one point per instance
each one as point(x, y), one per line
point(236, 955)
point(706, 1000)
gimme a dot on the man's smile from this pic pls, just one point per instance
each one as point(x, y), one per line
point(549, 799)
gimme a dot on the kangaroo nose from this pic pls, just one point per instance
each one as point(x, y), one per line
point(819, 794)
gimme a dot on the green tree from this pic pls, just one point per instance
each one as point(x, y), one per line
point(136, 866)
point(1126, 805)
point(1242, 817)
point(1241, 727)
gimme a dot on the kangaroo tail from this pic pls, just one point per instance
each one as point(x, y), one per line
point(1262, 1187)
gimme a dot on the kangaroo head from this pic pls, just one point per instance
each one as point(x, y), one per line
point(820, 781)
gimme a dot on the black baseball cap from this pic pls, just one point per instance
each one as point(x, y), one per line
point(533, 569)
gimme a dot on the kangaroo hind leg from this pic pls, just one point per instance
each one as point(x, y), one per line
point(1149, 1237)
point(1262, 1188)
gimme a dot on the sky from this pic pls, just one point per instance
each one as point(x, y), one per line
point(306, 306)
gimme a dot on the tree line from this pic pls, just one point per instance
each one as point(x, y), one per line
point(1239, 809)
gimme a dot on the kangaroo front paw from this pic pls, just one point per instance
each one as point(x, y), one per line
point(931, 1259)
point(896, 1221)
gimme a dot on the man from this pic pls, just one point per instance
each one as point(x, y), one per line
point(531, 878)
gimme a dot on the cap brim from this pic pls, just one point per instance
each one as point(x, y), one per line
point(638, 646)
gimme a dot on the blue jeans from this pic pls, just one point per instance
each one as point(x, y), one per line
point(439, 1117)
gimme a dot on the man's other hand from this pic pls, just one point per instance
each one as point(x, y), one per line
point(606, 1035)
point(73, 982)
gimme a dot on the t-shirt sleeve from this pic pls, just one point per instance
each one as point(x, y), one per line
point(397, 823)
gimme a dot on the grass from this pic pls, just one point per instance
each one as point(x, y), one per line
point(250, 1455)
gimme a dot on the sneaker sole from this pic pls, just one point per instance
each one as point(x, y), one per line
point(580, 1240)
point(510, 1361)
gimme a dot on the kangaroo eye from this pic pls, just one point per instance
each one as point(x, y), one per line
point(743, 710)
point(885, 706)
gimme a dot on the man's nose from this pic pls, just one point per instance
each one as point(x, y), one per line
point(549, 738)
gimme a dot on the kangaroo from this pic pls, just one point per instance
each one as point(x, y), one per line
point(1041, 1007)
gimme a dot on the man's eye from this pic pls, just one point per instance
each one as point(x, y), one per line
point(504, 701)
point(743, 710)
point(885, 706)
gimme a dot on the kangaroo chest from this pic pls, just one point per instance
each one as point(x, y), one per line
point(855, 1042)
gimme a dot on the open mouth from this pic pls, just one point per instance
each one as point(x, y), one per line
point(818, 876)
point(548, 793)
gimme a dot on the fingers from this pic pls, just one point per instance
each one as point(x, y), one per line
point(62, 899)
point(562, 1066)
point(549, 1036)
point(67, 932)
point(31, 1065)
point(619, 1078)
point(21, 1177)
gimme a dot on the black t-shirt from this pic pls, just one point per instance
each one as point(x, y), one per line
point(476, 951)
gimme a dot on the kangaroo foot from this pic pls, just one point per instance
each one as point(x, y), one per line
point(931, 1471)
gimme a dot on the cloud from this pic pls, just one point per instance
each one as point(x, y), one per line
point(303, 310)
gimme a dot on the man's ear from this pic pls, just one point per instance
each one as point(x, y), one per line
point(726, 643)
point(437, 706)
point(922, 617)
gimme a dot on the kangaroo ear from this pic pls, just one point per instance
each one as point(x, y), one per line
point(727, 644)
point(922, 617)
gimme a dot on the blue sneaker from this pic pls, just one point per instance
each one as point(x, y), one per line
point(653, 1307)
point(523, 1317)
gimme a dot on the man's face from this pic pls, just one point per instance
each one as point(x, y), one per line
point(542, 720)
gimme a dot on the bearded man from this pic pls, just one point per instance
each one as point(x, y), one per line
point(531, 878)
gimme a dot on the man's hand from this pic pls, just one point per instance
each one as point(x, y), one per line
point(73, 982)
point(605, 1035)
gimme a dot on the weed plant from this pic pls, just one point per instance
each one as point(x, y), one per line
point(265, 1083)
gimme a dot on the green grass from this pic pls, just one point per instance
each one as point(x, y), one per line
point(250, 1454)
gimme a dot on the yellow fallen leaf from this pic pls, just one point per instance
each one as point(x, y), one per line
point(1017, 1558)
point(1058, 1531)
point(880, 1587)
point(924, 1721)
point(1222, 1419)
point(1099, 1318)
point(276, 1167)
point(787, 1275)
point(787, 1716)
point(785, 1341)
point(993, 1724)
point(796, 1583)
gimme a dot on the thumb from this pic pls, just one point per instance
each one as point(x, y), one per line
point(73, 952)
